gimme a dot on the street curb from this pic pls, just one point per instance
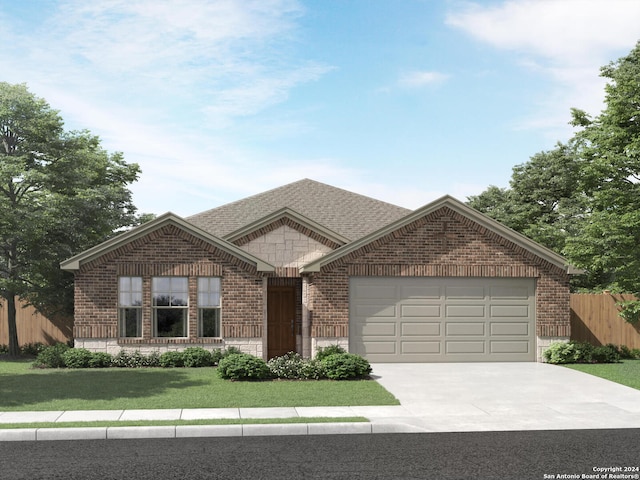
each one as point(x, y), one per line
point(194, 431)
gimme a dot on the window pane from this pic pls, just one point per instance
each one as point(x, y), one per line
point(130, 322)
point(161, 299)
point(209, 292)
point(136, 284)
point(171, 322)
point(209, 324)
point(130, 291)
point(161, 284)
point(179, 285)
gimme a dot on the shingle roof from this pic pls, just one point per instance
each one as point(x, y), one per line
point(349, 214)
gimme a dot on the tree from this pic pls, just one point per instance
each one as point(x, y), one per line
point(608, 146)
point(60, 193)
point(542, 201)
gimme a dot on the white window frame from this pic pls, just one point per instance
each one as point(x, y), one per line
point(129, 303)
point(210, 303)
point(175, 294)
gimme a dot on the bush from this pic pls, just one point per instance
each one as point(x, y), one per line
point(293, 366)
point(52, 356)
point(4, 349)
point(242, 366)
point(571, 352)
point(32, 349)
point(219, 354)
point(100, 360)
point(197, 357)
point(77, 358)
point(172, 359)
point(635, 353)
point(135, 359)
point(344, 366)
point(606, 354)
point(328, 351)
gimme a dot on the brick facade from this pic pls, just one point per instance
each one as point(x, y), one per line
point(441, 244)
point(168, 251)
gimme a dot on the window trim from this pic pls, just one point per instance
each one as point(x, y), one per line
point(202, 308)
point(129, 305)
point(183, 308)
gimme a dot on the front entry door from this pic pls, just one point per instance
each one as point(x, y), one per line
point(281, 321)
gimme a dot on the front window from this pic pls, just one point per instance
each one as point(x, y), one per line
point(209, 307)
point(130, 306)
point(170, 306)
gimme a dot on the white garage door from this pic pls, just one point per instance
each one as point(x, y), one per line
point(426, 319)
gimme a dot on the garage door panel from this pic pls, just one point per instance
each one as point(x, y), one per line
point(427, 292)
point(369, 311)
point(379, 329)
point(420, 348)
point(509, 347)
point(420, 329)
point(465, 329)
point(454, 347)
point(510, 311)
point(511, 328)
point(498, 292)
point(442, 319)
point(465, 311)
point(420, 311)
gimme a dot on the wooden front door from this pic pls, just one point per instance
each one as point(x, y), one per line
point(281, 321)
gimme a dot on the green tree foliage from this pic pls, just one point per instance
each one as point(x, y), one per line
point(60, 193)
point(582, 199)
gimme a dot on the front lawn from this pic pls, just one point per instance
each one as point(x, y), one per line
point(627, 373)
point(23, 388)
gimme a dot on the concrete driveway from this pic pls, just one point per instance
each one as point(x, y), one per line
point(506, 396)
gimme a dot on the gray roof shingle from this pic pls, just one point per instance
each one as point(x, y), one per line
point(349, 214)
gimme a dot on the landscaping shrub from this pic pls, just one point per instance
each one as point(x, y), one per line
point(4, 349)
point(571, 352)
point(606, 354)
point(242, 366)
point(218, 354)
point(100, 360)
point(32, 349)
point(197, 357)
point(293, 366)
point(635, 353)
point(52, 356)
point(344, 366)
point(135, 359)
point(325, 352)
point(77, 358)
point(172, 359)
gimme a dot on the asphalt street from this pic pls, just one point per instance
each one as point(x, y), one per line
point(483, 455)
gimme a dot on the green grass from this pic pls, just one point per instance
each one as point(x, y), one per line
point(23, 388)
point(155, 423)
point(626, 373)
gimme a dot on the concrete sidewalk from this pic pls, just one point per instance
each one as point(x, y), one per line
point(377, 423)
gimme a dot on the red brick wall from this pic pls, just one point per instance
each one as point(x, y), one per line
point(442, 244)
point(173, 252)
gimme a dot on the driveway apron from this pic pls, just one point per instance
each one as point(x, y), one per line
point(506, 396)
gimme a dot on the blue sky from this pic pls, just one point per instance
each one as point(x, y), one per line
point(401, 100)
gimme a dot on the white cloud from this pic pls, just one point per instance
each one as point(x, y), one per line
point(420, 79)
point(565, 41)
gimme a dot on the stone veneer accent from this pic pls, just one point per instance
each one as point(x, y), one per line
point(446, 244)
point(113, 346)
point(545, 342)
point(318, 343)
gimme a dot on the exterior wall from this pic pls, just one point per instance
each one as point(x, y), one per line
point(168, 251)
point(545, 342)
point(286, 247)
point(252, 346)
point(441, 244)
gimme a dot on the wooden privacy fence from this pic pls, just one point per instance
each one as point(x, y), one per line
point(34, 327)
point(595, 319)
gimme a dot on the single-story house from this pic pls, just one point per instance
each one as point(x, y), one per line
point(307, 265)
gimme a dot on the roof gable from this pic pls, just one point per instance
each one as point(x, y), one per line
point(459, 207)
point(74, 263)
point(348, 215)
point(288, 214)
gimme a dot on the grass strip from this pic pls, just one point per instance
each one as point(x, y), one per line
point(626, 373)
point(163, 423)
